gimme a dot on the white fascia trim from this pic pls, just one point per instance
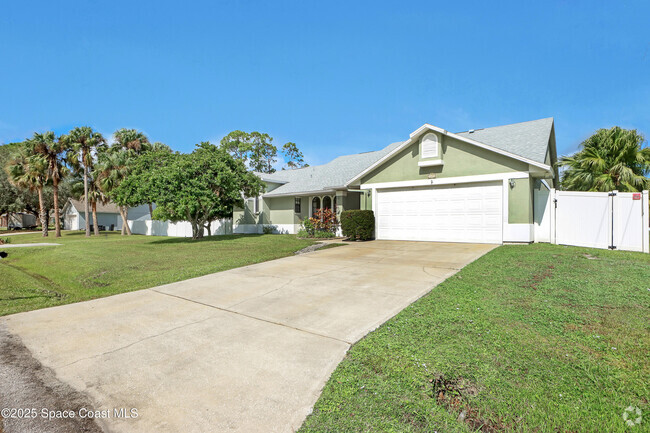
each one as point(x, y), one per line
point(433, 163)
point(447, 180)
point(426, 127)
point(301, 193)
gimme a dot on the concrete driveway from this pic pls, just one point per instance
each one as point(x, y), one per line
point(244, 350)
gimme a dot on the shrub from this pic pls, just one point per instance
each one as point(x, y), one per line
point(324, 220)
point(307, 227)
point(322, 234)
point(322, 225)
point(269, 230)
point(318, 234)
point(358, 224)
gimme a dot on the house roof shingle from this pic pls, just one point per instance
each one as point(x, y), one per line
point(327, 176)
point(526, 139)
point(101, 208)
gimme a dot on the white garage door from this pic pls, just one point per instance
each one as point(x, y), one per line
point(462, 213)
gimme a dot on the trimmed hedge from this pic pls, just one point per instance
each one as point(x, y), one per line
point(358, 224)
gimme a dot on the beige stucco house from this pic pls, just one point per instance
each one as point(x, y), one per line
point(486, 185)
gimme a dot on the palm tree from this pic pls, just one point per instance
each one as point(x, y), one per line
point(95, 196)
point(30, 172)
point(51, 149)
point(84, 145)
point(111, 169)
point(134, 142)
point(131, 140)
point(611, 159)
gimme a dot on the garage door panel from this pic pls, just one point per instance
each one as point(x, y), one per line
point(465, 213)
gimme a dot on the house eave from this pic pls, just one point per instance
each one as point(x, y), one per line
point(300, 193)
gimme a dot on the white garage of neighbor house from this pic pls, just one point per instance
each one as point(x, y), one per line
point(108, 215)
point(485, 185)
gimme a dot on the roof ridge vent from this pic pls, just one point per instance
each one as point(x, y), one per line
point(471, 131)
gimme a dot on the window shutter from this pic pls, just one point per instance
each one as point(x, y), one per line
point(430, 146)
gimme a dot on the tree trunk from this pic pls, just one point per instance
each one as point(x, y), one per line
point(57, 213)
point(42, 211)
point(151, 210)
point(95, 225)
point(209, 227)
point(125, 222)
point(86, 204)
point(197, 230)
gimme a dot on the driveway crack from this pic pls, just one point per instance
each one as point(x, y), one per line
point(255, 318)
point(149, 337)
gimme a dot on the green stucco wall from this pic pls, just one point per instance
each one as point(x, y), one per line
point(520, 202)
point(245, 216)
point(460, 159)
point(281, 210)
point(276, 210)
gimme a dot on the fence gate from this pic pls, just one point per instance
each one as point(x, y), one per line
point(611, 220)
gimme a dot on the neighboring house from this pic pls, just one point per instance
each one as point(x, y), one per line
point(485, 185)
point(18, 220)
point(108, 215)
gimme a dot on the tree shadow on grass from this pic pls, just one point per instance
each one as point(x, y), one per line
point(214, 238)
point(82, 233)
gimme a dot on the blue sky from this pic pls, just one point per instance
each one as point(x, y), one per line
point(334, 77)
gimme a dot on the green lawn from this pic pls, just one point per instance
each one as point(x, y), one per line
point(537, 338)
point(86, 268)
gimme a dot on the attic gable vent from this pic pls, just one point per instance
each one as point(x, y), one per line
point(430, 146)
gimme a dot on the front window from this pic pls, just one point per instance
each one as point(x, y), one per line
point(315, 205)
point(327, 202)
point(296, 205)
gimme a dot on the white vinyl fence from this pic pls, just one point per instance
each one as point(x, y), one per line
point(614, 220)
point(180, 229)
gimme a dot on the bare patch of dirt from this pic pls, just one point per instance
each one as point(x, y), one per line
point(454, 394)
point(26, 383)
point(538, 278)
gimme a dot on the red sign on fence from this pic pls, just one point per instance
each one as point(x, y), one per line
point(636, 196)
